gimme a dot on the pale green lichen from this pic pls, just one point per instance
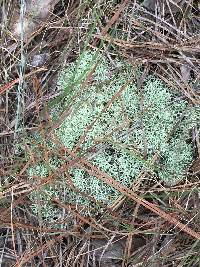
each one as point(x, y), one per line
point(139, 124)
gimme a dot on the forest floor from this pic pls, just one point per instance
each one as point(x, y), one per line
point(159, 225)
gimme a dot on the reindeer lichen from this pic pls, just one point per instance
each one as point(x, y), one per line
point(121, 128)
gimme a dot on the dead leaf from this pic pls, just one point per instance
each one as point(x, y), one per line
point(175, 6)
point(185, 72)
point(195, 168)
point(39, 60)
point(36, 11)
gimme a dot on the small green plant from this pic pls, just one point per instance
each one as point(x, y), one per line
point(124, 130)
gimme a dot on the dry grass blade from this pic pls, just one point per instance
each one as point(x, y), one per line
point(114, 18)
point(9, 85)
point(46, 247)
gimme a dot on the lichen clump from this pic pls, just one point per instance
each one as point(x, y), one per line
point(124, 130)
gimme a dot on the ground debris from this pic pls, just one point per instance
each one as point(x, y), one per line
point(36, 11)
